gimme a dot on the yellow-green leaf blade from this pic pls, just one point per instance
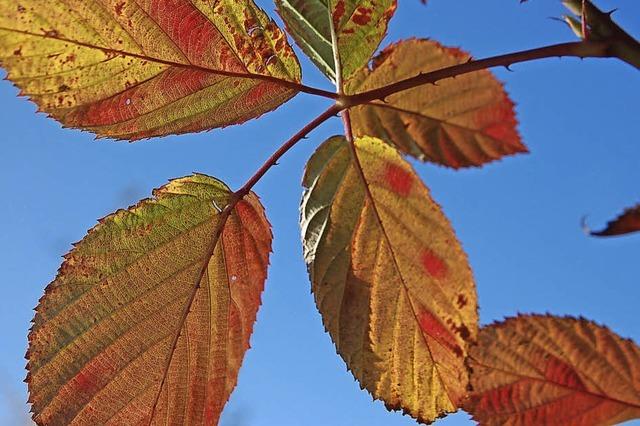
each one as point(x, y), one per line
point(389, 277)
point(536, 369)
point(461, 122)
point(101, 350)
point(131, 70)
point(356, 26)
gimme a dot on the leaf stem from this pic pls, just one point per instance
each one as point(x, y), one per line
point(271, 161)
point(580, 49)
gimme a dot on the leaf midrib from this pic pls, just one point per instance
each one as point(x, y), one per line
point(369, 195)
point(561, 385)
point(291, 84)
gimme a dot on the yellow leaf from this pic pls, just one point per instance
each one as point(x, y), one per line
point(389, 276)
point(128, 69)
point(546, 370)
point(140, 323)
point(461, 122)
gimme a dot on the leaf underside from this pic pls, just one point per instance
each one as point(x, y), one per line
point(389, 277)
point(358, 27)
point(461, 122)
point(102, 349)
point(534, 370)
point(131, 69)
point(626, 223)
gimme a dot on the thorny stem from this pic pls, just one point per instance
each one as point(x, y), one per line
point(332, 111)
point(224, 214)
point(580, 49)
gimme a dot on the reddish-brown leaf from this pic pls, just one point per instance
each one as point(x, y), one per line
point(626, 223)
point(545, 370)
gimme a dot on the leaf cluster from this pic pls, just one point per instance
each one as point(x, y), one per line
point(150, 315)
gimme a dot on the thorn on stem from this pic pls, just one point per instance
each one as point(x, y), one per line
point(611, 12)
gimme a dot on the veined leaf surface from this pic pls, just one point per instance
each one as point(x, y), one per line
point(356, 26)
point(140, 326)
point(535, 370)
point(131, 69)
point(626, 223)
point(389, 276)
point(461, 122)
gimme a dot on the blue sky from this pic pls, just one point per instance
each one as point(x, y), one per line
point(518, 219)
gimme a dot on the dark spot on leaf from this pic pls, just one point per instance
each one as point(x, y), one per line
point(399, 180)
point(338, 12)
point(118, 8)
point(461, 301)
point(433, 264)
point(362, 15)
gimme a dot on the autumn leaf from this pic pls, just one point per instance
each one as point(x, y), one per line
point(626, 223)
point(534, 370)
point(150, 315)
point(389, 277)
point(461, 122)
point(129, 70)
point(347, 31)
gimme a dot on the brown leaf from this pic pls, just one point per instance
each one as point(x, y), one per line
point(626, 223)
point(461, 122)
point(546, 370)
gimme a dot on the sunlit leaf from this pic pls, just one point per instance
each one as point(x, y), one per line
point(132, 69)
point(389, 276)
point(546, 370)
point(461, 122)
point(139, 320)
point(358, 27)
point(626, 223)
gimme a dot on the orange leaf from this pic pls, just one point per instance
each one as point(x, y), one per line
point(140, 327)
point(389, 276)
point(461, 122)
point(626, 223)
point(534, 370)
point(129, 70)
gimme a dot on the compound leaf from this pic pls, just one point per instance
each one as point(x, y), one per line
point(461, 122)
point(626, 223)
point(535, 369)
point(356, 26)
point(131, 69)
point(151, 313)
point(389, 276)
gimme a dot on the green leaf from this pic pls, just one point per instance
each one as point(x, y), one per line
point(151, 313)
point(389, 276)
point(346, 31)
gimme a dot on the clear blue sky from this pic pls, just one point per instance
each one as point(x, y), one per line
point(518, 219)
